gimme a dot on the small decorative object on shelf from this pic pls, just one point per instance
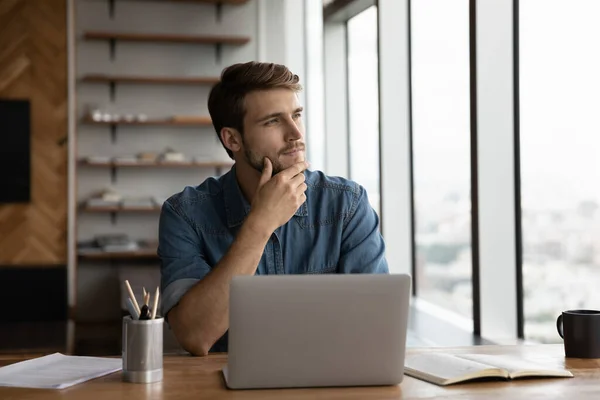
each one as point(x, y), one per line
point(166, 159)
point(93, 112)
point(139, 202)
point(147, 156)
point(111, 201)
point(114, 246)
point(170, 155)
point(142, 119)
point(96, 114)
point(108, 243)
point(98, 159)
point(105, 198)
point(128, 159)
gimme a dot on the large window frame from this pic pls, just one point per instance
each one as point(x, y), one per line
point(362, 120)
point(495, 158)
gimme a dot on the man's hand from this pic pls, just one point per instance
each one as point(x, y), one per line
point(277, 198)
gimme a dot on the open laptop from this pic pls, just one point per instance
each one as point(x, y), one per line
point(317, 330)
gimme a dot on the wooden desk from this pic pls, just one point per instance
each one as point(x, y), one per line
point(200, 378)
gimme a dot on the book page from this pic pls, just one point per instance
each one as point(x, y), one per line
point(517, 366)
point(445, 369)
point(57, 371)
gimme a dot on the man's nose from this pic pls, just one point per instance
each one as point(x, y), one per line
point(294, 132)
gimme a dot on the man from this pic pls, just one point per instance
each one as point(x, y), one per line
point(268, 215)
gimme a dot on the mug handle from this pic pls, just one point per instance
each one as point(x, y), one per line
point(559, 326)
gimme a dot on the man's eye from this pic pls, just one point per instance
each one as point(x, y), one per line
point(297, 115)
point(271, 121)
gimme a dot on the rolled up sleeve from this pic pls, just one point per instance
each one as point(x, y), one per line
point(182, 263)
point(363, 247)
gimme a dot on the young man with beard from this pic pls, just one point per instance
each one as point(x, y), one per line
point(268, 215)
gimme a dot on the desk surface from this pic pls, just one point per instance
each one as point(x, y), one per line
point(200, 378)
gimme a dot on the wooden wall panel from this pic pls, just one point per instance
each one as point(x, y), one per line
point(33, 65)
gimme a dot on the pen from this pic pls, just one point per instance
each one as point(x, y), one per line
point(131, 309)
point(145, 313)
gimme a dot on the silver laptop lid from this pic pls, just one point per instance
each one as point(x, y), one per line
point(317, 330)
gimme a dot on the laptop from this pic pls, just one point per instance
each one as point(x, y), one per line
point(291, 331)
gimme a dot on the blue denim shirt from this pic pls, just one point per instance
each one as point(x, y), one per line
point(334, 231)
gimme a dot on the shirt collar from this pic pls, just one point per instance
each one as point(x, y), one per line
point(236, 205)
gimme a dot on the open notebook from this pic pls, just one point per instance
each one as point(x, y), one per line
point(447, 369)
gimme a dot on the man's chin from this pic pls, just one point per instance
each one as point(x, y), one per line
point(260, 168)
point(283, 166)
point(287, 160)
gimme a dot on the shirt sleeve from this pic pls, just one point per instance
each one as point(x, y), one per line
point(182, 263)
point(363, 247)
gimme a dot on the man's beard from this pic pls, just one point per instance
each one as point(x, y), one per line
point(257, 162)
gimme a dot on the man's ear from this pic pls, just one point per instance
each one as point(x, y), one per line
point(231, 139)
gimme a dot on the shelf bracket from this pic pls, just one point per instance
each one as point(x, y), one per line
point(111, 9)
point(219, 171)
point(113, 174)
point(113, 133)
point(112, 85)
point(219, 11)
point(113, 217)
point(218, 52)
point(112, 42)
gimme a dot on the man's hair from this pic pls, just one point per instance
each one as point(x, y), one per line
point(226, 99)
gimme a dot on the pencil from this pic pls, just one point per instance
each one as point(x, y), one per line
point(155, 306)
point(144, 291)
point(132, 296)
point(146, 299)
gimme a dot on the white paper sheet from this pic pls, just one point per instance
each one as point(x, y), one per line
point(57, 371)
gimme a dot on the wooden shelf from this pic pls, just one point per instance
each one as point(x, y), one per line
point(208, 1)
point(233, 2)
point(207, 164)
point(173, 80)
point(103, 209)
point(202, 121)
point(141, 253)
point(168, 38)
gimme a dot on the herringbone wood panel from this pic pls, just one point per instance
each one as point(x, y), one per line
point(33, 65)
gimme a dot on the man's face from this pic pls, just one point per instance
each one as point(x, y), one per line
point(273, 128)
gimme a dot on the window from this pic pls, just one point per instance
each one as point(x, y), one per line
point(363, 93)
point(441, 153)
point(560, 167)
